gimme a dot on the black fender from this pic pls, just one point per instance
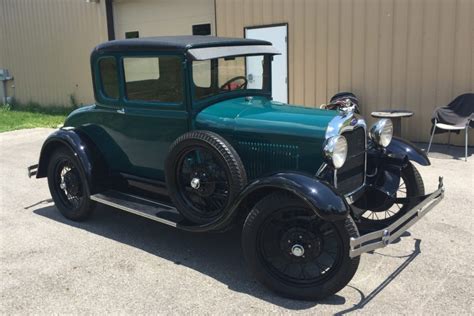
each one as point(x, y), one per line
point(82, 147)
point(320, 196)
point(400, 146)
point(384, 169)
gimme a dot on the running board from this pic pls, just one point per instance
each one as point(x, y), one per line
point(159, 212)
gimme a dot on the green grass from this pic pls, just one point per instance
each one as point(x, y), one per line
point(30, 117)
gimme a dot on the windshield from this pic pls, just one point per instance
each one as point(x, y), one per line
point(223, 75)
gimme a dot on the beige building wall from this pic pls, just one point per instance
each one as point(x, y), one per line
point(400, 54)
point(46, 44)
point(161, 17)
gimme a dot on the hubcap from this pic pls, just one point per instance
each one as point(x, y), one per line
point(299, 247)
point(68, 182)
point(195, 183)
point(203, 182)
point(297, 250)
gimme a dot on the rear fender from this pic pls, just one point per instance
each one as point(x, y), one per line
point(83, 148)
point(320, 196)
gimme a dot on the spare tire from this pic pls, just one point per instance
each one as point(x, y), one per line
point(204, 174)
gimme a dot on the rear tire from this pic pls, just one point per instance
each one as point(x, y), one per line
point(68, 185)
point(293, 252)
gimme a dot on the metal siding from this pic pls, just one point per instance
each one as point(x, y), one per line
point(400, 54)
point(46, 46)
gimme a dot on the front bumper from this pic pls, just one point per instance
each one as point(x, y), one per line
point(386, 236)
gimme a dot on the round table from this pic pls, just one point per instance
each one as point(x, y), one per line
point(396, 117)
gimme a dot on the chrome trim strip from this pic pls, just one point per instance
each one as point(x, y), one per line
point(130, 210)
point(321, 169)
point(386, 236)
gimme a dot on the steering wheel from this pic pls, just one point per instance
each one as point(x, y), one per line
point(227, 84)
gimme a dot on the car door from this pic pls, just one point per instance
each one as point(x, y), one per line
point(141, 110)
point(154, 112)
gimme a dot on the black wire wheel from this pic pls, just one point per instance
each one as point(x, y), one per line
point(204, 174)
point(411, 185)
point(68, 185)
point(294, 252)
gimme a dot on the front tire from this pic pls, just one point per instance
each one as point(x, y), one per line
point(294, 252)
point(68, 185)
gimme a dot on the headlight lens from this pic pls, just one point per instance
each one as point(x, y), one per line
point(335, 150)
point(381, 132)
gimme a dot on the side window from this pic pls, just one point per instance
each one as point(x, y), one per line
point(109, 77)
point(157, 79)
point(202, 73)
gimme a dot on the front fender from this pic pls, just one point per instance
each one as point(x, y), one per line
point(320, 196)
point(80, 145)
point(400, 146)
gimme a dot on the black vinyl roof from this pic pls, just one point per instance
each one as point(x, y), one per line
point(174, 43)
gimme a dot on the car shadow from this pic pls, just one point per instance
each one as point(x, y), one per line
point(217, 255)
point(365, 299)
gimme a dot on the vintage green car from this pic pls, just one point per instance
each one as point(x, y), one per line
point(185, 132)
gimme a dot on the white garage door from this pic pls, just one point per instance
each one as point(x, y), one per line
point(277, 35)
point(161, 17)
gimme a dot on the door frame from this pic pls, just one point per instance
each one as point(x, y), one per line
point(287, 48)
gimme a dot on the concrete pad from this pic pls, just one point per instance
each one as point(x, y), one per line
point(118, 262)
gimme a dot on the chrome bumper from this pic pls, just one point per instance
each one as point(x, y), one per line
point(386, 236)
point(32, 170)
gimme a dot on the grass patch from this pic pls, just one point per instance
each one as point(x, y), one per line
point(31, 116)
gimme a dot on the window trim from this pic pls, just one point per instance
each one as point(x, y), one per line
point(151, 104)
point(100, 85)
point(198, 104)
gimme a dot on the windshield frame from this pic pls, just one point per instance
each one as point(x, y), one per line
point(206, 101)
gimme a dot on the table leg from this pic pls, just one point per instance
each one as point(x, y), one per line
point(397, 126)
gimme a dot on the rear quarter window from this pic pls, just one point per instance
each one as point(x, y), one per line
point(109, 77)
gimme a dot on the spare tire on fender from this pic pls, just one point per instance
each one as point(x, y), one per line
point(204, 175)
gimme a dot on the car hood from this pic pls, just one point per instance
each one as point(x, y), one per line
point(263, 116)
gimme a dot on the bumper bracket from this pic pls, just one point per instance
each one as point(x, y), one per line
point(384, 237)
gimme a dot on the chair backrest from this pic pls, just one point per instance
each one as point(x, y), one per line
point(462, 105)
point(457, 112)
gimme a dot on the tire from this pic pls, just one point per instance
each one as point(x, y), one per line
point(73, 200)
point(273, 260)
point(204, 174)
point(411, 185)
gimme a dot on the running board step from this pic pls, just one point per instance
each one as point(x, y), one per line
point(150, 209)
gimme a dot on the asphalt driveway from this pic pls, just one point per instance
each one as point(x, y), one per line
point(118, 262)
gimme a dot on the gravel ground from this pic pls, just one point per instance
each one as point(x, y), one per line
point(119, 262)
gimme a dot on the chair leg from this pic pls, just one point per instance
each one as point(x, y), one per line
point(465, 149)
point(431, 139)
point(449, 142)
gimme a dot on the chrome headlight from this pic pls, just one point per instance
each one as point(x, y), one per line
point(381, 132)
point(335, 150)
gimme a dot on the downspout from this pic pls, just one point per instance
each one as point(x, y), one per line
point(109, 12)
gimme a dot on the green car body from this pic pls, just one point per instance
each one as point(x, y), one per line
point(134, 137)
point(281, 136)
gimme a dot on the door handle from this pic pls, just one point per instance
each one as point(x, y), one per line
point(121, 111)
